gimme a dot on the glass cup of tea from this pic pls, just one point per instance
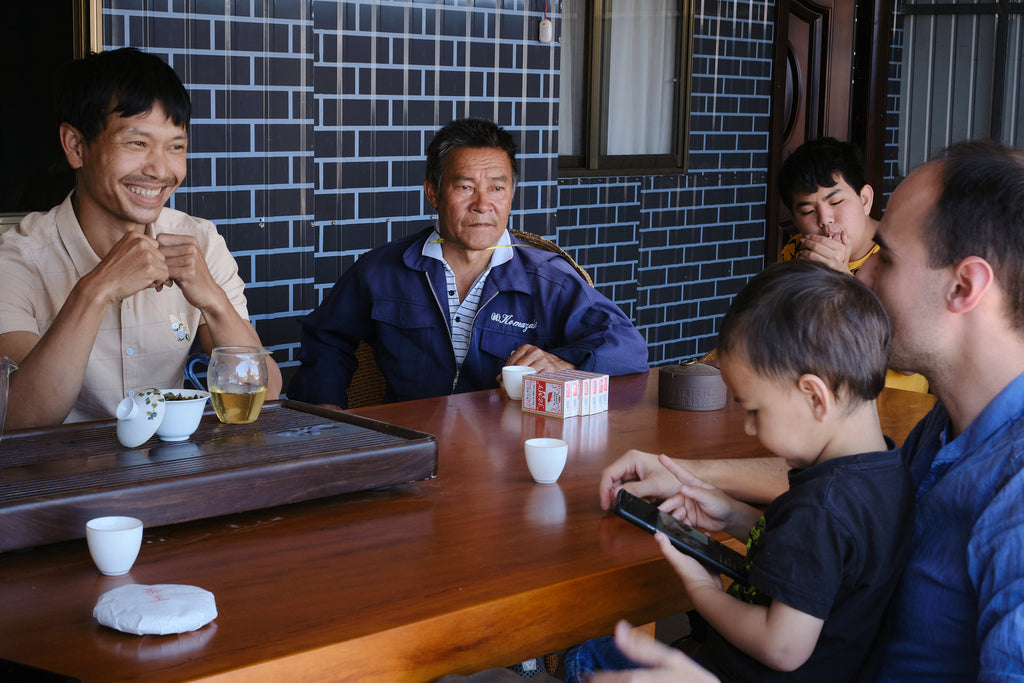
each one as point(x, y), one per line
point(237, 379)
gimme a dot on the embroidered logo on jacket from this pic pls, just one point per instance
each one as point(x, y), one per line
point(509, 320)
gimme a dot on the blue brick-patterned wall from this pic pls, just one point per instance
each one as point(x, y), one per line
point(250, 169)
point(388, 74)
point(697, 236)
point(599, 224)
point(311, 120)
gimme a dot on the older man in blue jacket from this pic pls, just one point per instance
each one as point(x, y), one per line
point(445, 309)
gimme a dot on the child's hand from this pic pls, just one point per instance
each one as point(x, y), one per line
point(698, 504)
point(665, 664)
point(695, 577)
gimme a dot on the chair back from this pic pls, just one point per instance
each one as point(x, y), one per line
point(194, 375)
point(548, 245)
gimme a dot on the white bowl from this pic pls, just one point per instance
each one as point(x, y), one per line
point(181, 416)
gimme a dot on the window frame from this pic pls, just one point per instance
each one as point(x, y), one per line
point(591, 161)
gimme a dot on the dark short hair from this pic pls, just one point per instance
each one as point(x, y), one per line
point(125, 82)
point(815, 164)
point(980, 212)
point(798, 317)
point(468, 133)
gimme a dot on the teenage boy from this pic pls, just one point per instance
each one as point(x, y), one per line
point(803, 351)
point(824, 186)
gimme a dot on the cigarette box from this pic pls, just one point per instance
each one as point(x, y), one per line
point(546, 393)
point(565, 393)
point(593, 391)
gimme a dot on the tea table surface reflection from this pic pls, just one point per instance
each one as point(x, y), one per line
point(479, 567)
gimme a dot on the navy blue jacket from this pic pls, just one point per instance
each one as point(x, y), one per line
point(395, 298)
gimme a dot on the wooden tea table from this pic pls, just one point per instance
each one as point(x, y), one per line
point(478, 567)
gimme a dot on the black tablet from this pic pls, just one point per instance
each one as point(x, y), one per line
point(712, 554)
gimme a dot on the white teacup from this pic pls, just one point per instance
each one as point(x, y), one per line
point(512, 379)
point(114, 543)
point(546, 459)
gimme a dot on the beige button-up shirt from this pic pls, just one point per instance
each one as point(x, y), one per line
point(144, 341)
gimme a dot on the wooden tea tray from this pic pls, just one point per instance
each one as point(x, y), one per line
point(52, 481)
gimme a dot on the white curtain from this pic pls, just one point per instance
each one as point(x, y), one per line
point(570, 82)
point(641, 69)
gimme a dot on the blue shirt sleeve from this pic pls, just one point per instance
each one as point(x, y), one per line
point(995, 556)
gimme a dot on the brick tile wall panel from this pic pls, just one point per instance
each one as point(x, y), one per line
point(729, 288)
point(573, 235)
point(649, 317)
point(701, 253)
point(277, 265)
point(728, 130)
point(698, 291)
point(249, 139)
point(265, 301)
point(713, 308)
point(701, 328)
point(324, 148)
point(734, 214)
point(667, 331)
point(680, 310)
point(214, 206)
point(200, 171)
point(280, 235)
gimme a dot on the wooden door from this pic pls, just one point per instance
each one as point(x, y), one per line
point(815, 79)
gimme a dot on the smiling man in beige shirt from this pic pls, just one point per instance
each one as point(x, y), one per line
point(105, 293)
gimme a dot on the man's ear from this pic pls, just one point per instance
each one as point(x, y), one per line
point(818, 395)
point(73, 143)
point(971, 278)
point(430, 190)
point(867, 198)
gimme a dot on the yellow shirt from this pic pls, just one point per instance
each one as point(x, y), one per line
point(895, 379)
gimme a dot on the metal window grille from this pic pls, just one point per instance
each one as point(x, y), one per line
point(962, 75)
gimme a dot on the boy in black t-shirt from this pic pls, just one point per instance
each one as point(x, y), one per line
point(803, 349)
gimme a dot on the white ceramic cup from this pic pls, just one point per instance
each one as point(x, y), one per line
point(512, 379)
point(546, 459)
point(114, 543)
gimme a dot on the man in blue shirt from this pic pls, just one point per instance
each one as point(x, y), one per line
point(950, 272)
point(445, 309)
